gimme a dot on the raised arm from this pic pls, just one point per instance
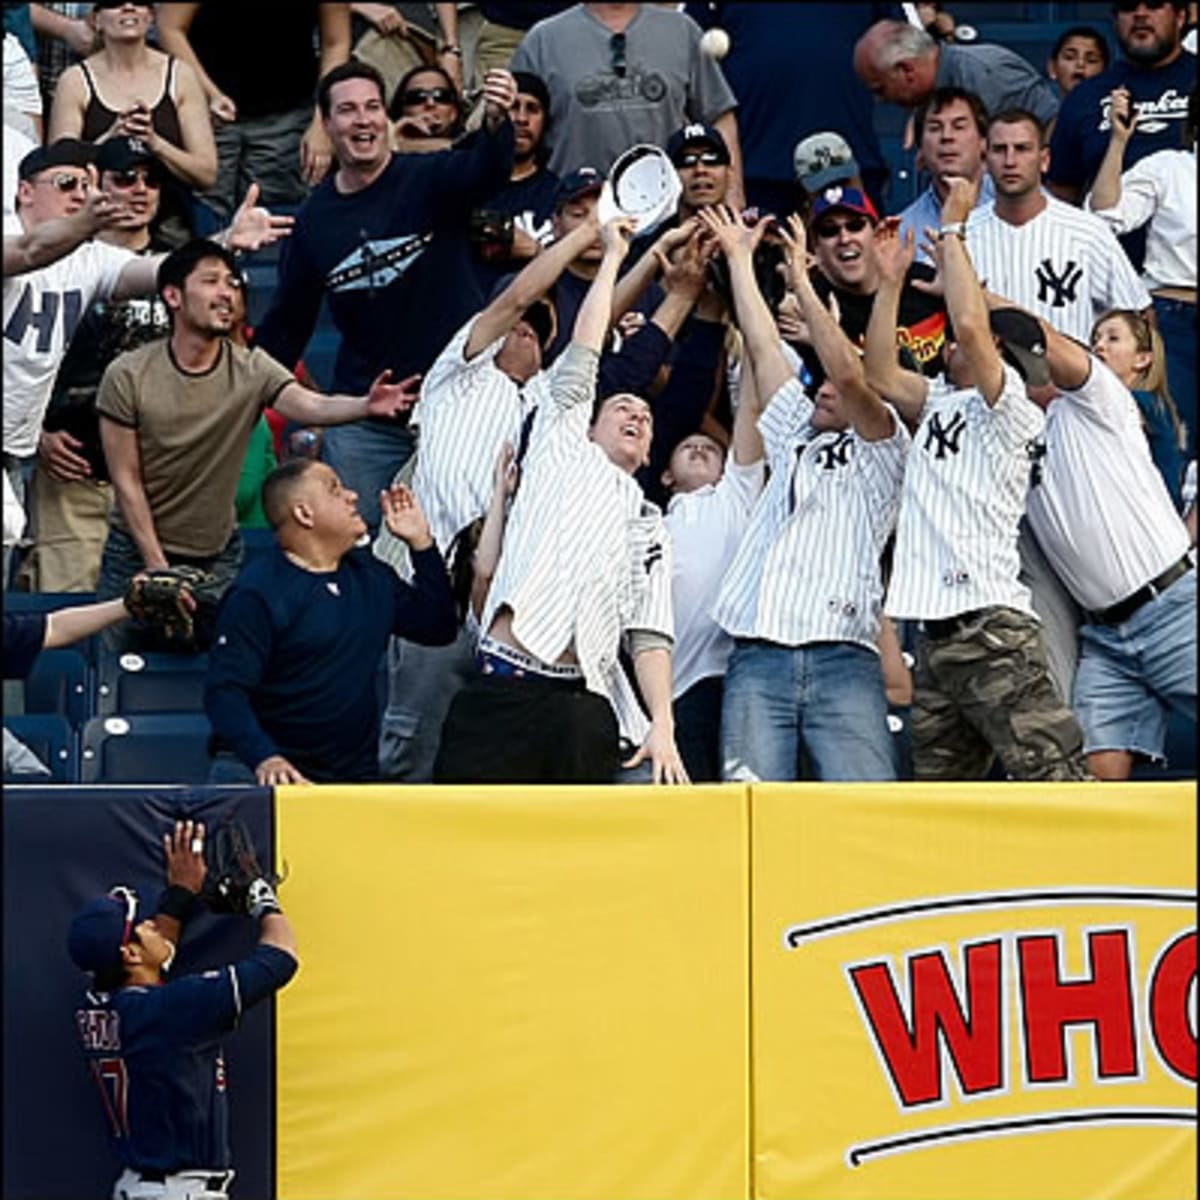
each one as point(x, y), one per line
point(385, 399)
point(534, 281)
point(641, 275)
point(1106, 187)
point(333, 30)
point(747, 444)
point(906, 389)
point(65, 626)
point(173, 22)
point(868, 414)
point(965, 303)
point(595, 313)
point(52, 240)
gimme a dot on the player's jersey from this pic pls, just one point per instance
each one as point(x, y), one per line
point(155, 1055)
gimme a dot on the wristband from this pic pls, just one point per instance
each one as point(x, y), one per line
point(957, 228)
point(455, 50)
point(177, 902)
point(261, 899)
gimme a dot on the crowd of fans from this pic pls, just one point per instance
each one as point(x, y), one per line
point(718, 498)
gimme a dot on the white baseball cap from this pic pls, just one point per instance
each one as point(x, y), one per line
point(643, 184)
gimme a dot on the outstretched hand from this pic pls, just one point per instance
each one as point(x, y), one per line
point(615, 235)
point(729, 230)
point(893, 253)
point(1122, 113)
point(799, 258)
point(390, 399)
point(184, 847)
point(255, 227)
point(404, 516)
point(499, 95)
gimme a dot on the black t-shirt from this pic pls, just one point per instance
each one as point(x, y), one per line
point(24, 634)
point(921, 323)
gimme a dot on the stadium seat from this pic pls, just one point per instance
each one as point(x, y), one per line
point(61, 683)
point(51, 738)
point(140, 682)
point(146, 748)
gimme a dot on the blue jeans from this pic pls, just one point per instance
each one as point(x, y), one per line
point(1131, 675)
point(1177, 324)
point(826, 698)
point(366, 456)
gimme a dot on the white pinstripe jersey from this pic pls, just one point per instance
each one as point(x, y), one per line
point(1065, 265)
point(1102, 513)
point(467, 410)
point(586, 556)
point(808, 567)
point(964, 493)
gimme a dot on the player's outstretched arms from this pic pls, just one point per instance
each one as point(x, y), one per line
point(907, 390)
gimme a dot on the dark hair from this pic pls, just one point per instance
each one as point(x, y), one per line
point(396, 107)
point(180, 263)
point(943, 97)
point(1082, 31)
point(353, 69)
point(277, 488)
point(1011, 116)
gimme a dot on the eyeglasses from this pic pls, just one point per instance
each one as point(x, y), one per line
point(415, 97)
point(1128, 6)
point(616, 47)
point(827, 230)
point(128, 179)
point(710, 158)
point(66, 183)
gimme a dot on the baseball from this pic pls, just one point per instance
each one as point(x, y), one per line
point(715, 43)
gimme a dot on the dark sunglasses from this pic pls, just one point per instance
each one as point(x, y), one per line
point(710, 158)
point(67, 183)
point(415, 97)
point(616, 46)
point(826, 230)
point(128, 179)
point(1128, 6)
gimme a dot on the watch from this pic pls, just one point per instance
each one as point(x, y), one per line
point(957, 228)
point(451, 49)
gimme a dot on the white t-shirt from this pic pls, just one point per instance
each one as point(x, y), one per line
point(21, 91)
point(1102, 512)
point(42, 310)
point(706, 528)
point(16, 146)
point(964, 493)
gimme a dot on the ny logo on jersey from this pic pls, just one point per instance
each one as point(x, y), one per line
point(1062, 283)
point(946, 436)
point(835, 454)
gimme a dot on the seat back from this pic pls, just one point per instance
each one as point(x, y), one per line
point(51, 738)
point(161, 748)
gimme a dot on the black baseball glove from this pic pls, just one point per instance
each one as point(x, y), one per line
point(165, 600)
point(235, 882)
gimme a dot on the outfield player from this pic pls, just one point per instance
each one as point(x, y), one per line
point(982, 685)
point(152, 1045)
point(802, 597)
point(585, 567)
point(1054, 260)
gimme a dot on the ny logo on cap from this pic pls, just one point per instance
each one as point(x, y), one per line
point(137, 146)
point(693, 131)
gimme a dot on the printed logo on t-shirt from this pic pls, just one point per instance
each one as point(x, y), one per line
point(1153, 115)
point(377, 264)
point(44, 318)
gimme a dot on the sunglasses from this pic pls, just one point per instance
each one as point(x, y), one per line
point(710, 158)
point(66, 183)
point(128, 179)
point(1128, 6)
point(415, 97)
point(616, 46)
point(827, 230)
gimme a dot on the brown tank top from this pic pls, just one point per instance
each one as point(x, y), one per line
point(164, 116)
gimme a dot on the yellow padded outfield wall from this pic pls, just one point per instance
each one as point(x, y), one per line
point(514, 993)
point(798, 992)
point(929, 967)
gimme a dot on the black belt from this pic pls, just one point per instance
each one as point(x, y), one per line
point(1124, 609)
point(949, 625)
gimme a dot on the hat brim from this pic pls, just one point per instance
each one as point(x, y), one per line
point(822, 179)
point(1032, 368)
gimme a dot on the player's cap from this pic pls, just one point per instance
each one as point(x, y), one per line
point(847, 199)
point(587, 181)
point(102, 928)
point(123, 154)
point(696, 134)
point(66, 152)
point(821, 159)
point(541, 316)
point(1022, 344)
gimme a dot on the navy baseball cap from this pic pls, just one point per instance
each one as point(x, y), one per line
point(66, 152)
point(1022, 344)
point(587, 181)
point(123, 154)
point(846, 198)
point(696, 134)
point(102, 928)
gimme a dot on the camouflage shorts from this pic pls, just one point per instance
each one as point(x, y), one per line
point(985, 691)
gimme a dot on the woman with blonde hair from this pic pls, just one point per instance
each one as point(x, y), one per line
point(1133, 350)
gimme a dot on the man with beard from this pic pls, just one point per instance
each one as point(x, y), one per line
point(1158, 76)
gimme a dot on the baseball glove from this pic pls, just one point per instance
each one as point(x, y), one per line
point(160, 599)
point(235, 882)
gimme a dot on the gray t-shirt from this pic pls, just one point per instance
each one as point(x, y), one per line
point(607, 95)
point(999, 77)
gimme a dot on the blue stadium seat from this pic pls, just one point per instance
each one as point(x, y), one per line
point(146, 748)
point(61, 682)
point(51, 738)
point(145, 682)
